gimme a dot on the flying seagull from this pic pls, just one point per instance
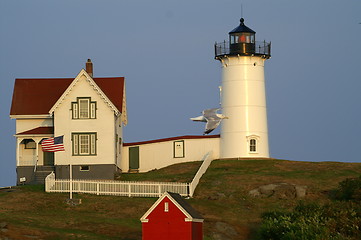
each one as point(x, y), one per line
point(211, 117)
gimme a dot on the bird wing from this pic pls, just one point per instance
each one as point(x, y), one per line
point(199, 119)
point(211, 125)
point(210, 113)
point(211, 116)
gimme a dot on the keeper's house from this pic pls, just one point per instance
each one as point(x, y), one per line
point(90, 114)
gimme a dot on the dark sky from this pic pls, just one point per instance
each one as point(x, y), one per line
point(165, 51)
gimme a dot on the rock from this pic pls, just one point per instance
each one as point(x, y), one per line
point(285, 191)
point(279, 190)
point(254, 193)
point(225, 231)
point(3, 225)
point(301, 191)
point(217, 196)
point(73, 201)
point(267, 190)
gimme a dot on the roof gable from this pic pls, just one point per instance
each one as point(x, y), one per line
point(95, 87)
point(191, 214)
point(39, 96)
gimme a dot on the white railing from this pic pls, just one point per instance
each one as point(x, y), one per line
point(127, 188)
point(207, 159)
point(116, 188)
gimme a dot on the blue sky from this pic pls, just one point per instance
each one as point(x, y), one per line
point(164, 49)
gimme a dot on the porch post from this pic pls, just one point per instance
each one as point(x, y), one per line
point(18, 141)
point(36, 154)
point(71, 181)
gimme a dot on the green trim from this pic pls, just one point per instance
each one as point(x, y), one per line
point(174, 149)
point(77, 104)
point(89, 134)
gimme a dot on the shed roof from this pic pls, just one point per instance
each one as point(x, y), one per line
point(36, 96)
point(188, 210)
point(182, 202)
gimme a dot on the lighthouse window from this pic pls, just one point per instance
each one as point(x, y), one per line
point(243, 38)
point(252, 145)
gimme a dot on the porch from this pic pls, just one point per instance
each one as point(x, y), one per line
point(32, 164)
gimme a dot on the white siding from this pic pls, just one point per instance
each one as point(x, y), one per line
point(103, 125)
point(160, 154)
point(23, 125)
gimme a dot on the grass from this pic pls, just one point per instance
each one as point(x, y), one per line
point(175, 173)
point(221, 197)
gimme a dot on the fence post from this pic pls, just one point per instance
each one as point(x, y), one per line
point(129, 190)
point(159, 190)
point(190, 189)
point(97, 188)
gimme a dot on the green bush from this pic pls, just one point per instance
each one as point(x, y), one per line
point(349, 189)
point(313, 221)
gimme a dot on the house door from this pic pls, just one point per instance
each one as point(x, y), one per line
point(133, 158)
point(48, 158)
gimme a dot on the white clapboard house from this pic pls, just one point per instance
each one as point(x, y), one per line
point(89, 113)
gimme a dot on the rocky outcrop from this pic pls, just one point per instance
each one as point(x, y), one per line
point(280, 191)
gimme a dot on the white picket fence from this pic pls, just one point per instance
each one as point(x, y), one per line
point(126, 188)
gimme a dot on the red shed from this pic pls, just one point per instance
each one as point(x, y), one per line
point(171, 217)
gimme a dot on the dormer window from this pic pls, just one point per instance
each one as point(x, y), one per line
point(83, 108)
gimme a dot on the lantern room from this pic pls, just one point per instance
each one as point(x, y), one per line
point(242, 39)
point(242, 42)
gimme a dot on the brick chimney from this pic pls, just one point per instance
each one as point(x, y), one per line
point(89, 67)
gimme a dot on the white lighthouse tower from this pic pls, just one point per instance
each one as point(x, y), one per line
point(245, 133)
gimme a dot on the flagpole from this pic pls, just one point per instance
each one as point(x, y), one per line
point(71, 180)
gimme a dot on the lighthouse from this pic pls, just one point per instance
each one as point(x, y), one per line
point(243, 96)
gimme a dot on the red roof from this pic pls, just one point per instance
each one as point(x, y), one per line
point(38, 130)
point(171, 139)
point(38, 96)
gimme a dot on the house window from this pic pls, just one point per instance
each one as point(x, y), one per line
point(84, 168)
point(166, 207)
point(83, 108)
point(253, 145)
point(178, 149)
point(84, 144)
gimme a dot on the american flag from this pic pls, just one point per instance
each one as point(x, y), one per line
point(54, 144)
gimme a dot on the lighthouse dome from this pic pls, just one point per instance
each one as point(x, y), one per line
point(242, 28)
